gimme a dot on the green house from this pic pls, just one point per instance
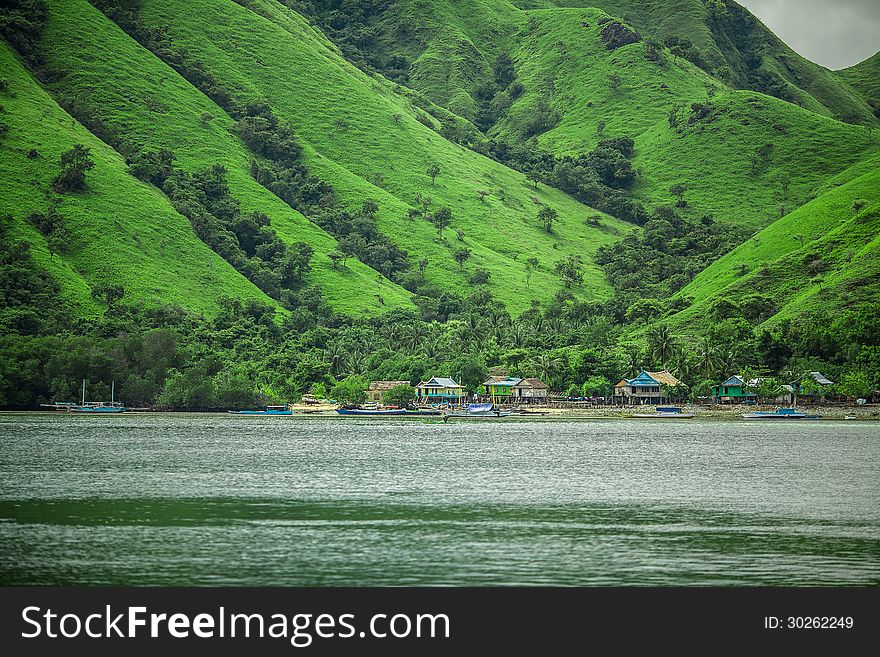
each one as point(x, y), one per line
point(500, 387)
point(733, 390)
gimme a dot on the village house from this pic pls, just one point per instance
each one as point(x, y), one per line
point(645, 388)
point(439, 389)
point(510, 389)
point(531, 390)
point(500, 388)
point(820, 381)
point(733, 391)
point(377, 389)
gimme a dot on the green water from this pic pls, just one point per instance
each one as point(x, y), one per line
point(226, 500)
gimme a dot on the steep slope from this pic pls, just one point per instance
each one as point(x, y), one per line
point(122, 231)
point(825, 254)
point(156, 108)
point(575, 91)
point(741, 50)
point(732, 152)
point(365, 139)
point(864, 77)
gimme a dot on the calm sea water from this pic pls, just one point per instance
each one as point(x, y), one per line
point(225, 500)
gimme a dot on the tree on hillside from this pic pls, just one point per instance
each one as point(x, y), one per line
point(74, 164)
point(442, 218)
point(854, 384)
point(547, 215)
point(614, 81)
point(531, 265)
point(108, 293)
point(461, 254)
point(678, 192)
point(535, 176)
point(858, 205)
point(570, 270)
point(600, 127)
point(433, 172)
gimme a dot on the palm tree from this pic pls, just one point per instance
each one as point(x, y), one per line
point(707, 358)
point(544, 366)
point(472, 330)
point(413, 335)
point(661, 343)
point(682, 366)
point(357, 362)
point(517, 335)
point(336, 356)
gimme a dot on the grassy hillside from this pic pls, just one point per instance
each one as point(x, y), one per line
point(824, 255)
point(564, 59)
point(121, 230)
point(739, 49)
point(864, 77)
point(157, 108)
point(569, 75)
point(346, 123)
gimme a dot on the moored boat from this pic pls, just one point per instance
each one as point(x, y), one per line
point(269, 410)
point(780, 414)
point(477, 411)
point(98, 407)
point(665, 412)
point(371, 411)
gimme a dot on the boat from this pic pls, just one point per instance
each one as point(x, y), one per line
point(477, 411)
point(665, 412)
point(98, 407)
point(424, 411)
point(371, 411)
point(780, 414)
point(269, 410)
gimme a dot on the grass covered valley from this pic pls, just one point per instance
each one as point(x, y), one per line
point(230, 203)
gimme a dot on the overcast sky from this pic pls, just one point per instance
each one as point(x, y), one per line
point(834, 33)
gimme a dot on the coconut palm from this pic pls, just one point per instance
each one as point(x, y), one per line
point(707, 358)
point(661, 343)
point(545, 366)
point(413, 335)
point(336, 356)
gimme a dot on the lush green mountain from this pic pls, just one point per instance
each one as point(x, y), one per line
point(738, 48)
point(535, 185)
point(865, 78)
point(579, 76)
point(119, 231)
point(823, 256)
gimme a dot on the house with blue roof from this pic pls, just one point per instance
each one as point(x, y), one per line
point(734, 390)
point(646, 388)
point(439, 389)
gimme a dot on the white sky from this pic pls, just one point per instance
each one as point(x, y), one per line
point(833, 33)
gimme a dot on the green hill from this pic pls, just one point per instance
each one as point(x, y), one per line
point(574, 89)
point(120, 230)
point(157, 108)
point(739, 49)
point(825, 255)
point(864, 77)
point(346, 123)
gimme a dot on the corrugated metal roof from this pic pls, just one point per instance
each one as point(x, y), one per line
point(532, 383)
point(439, 382)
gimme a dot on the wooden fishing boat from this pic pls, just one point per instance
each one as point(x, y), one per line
point(665, 413)
point(269, 410)
point(780, 414)
point(371, 411)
